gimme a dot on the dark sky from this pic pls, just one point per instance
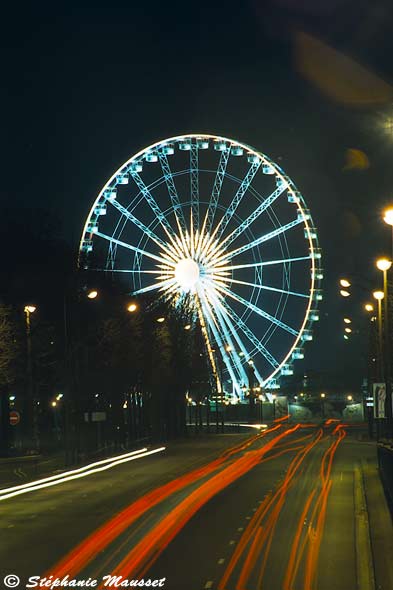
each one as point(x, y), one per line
point(86, 87)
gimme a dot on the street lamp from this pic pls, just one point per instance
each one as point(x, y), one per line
point(32, 406)
point(384, 264)
point(132, 307)
point(347, 321)
point(323, 395)
point(92, 294)
point(369, 307)
point(379, 295)
point(160, 320)
point(344, 293)
point(345, 283)
point(349, 398)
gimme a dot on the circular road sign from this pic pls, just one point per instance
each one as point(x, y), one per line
point(14, 418)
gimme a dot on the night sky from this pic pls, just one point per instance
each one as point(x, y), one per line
point(84, 88)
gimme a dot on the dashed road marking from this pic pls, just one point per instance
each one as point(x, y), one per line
point(221, 561)
point(232, 542)
point(240, 528)
point(248, 517)
point(208, 585)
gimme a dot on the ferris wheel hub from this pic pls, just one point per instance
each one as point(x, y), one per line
point(187, 274)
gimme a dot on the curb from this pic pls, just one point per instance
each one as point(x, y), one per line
point(364, 559)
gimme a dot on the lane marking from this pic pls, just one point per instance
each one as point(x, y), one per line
point(221, 561)
point(232, 542)
point(208, 585)
point(240, 528)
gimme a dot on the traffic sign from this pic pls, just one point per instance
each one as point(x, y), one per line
point(14, 418)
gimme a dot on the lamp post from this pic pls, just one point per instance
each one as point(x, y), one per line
point(323, 395)
point(378, 295)
point(32, 406)
point(384, 264)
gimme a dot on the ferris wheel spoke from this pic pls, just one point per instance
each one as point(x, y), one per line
point(130, 271)
point(194, 185)
point(260, 240)
point(258, 310)
point(241, 191)
point(219, 302)
point(173, 195)
point(138, 223)
point(167, 283)
point(112, 241)
point(220, 175)
point(253, 216)
point(251, 336)
point(265, 263)
point(153, 203)
point(265, 287)
point(212, 325)
point(228, 339)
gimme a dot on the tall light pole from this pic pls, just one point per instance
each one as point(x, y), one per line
point(384, 264)
point(378, 295)
point(323, 395)
point(31, 404)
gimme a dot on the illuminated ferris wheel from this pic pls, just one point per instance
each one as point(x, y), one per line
point(212, 220)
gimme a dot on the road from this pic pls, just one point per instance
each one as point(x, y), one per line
point(273, 511)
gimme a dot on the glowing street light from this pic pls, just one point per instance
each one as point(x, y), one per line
point(369, 307)
point(388, 216)
point(349, 398)
point(344, 293)
point(348, 330)
point(378, 295)
point(160, 320)
point(29, 309)
point(345, 283)
point(132, 307)
point(383, 264)
point(347, 321)
point(323, 395)
point(92, 294)
point(188, 327)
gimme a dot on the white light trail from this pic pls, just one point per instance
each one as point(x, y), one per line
point(90, 469)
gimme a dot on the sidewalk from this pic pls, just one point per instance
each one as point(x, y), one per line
point(381, 527)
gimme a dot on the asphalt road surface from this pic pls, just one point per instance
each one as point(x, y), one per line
point(273, 510)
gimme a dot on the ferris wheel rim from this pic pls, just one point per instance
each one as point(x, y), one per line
point(280, 174)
